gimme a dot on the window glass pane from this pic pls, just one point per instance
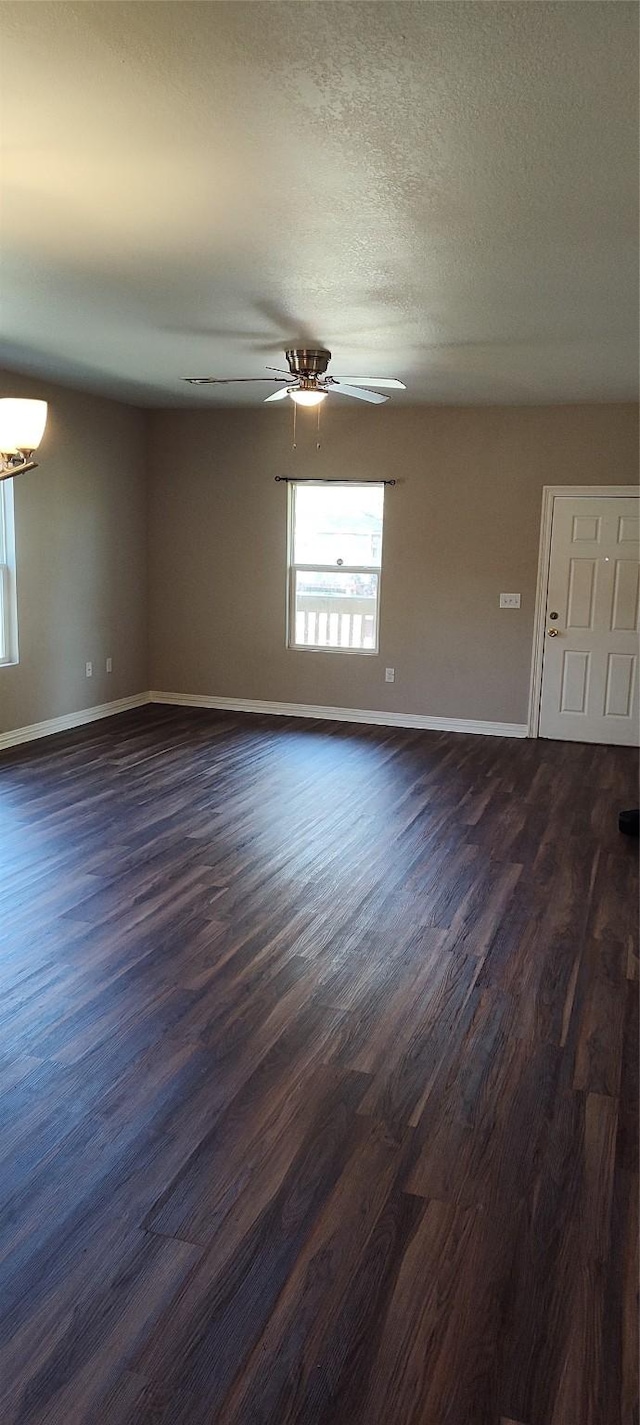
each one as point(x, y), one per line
point(3, 620)
point(4, 617)
point(335, 610)
point(338, 522)
point(7, 575)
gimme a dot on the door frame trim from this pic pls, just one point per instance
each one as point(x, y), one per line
point(550, 493)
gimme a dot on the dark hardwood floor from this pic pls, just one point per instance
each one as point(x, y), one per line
point(318, 1077)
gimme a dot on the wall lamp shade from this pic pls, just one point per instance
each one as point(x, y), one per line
point(305, 397)
point(22, 424)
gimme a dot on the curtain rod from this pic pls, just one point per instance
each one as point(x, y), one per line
point(293, 480)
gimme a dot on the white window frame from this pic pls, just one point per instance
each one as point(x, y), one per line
point(293, 568)
point(8, 594)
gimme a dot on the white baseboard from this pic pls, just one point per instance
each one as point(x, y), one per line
point(252, 705)
point(69, 720)
point(382, 719)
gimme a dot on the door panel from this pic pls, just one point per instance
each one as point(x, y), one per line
point(585, 527)
point(582, 587)
point(590, 660)
point(618, 700)
point(575, 681)
point(628, 530)
point(626, 585)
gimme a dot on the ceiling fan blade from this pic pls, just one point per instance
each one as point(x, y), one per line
point(278, 395)
point(229, 380)
point(341, 389)
point(387, 382)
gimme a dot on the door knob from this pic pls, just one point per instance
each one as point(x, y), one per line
point(552, 633)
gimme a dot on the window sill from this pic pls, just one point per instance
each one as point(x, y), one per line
point(322, 648)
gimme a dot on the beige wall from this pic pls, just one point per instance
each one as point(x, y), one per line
point(81, 559)
point(461, 526)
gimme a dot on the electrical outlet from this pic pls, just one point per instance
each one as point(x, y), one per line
point(88, 668)
point(509, 601)
point(389, 675)
point(109, 665)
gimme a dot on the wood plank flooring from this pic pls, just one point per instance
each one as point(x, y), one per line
point(318, 1077)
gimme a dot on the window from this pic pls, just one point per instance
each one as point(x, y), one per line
point(8, 628)
point(335, 553)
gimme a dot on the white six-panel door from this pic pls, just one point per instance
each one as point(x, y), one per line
point(590, 652)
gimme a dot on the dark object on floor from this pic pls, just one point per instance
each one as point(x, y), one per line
point(628, 822)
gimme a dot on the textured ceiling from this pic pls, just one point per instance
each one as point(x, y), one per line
point(444, 192)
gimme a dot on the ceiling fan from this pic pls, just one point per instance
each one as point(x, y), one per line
point(307, 382)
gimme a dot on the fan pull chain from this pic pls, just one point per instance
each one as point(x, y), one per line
point(318, 439)
point(295, 412)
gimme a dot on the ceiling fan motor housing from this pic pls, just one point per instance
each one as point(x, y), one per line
point(303, 361)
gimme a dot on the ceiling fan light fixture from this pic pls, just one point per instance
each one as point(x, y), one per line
point(307, 396)
point(310, 382)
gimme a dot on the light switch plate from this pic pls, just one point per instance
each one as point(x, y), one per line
point(389, 675)
point(509, 601)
